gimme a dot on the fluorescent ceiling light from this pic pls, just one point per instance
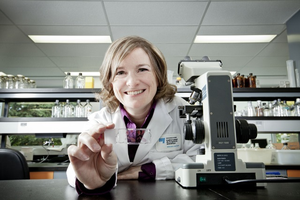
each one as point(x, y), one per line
point(69, 39)
point(84, 73)
point(234, 38)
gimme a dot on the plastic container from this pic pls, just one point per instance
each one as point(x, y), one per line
point(286, 157)
point(256, 155)
point(27, 152)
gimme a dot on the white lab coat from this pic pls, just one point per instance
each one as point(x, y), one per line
point(165, 121)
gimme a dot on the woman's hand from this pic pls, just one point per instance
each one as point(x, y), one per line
point(93, 161)
point(131, 173)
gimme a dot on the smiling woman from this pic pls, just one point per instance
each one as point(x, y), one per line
point(137, 95)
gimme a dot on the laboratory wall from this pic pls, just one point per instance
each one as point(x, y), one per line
point(293, 36)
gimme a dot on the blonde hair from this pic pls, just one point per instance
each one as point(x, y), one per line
point(116, 53)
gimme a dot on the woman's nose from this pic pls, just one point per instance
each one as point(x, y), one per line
point(132, 79)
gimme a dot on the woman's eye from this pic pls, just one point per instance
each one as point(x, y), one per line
point(120, 72)
point(143, 69)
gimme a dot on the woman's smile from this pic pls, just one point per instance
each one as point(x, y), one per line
point(132, 93)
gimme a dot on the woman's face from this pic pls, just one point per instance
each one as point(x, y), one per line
point(135, 84)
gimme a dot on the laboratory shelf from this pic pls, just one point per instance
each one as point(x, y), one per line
point(46, 94)
point(274, 124)
point(253, 94)
point(42, 125)
point(269, 94)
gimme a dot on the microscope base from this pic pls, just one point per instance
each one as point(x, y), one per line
point(194, 175)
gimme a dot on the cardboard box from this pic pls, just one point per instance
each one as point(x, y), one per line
point(291, 145)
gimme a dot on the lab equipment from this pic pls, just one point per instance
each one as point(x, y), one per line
point(210, 120)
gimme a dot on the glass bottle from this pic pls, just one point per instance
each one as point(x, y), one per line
point(32, 84)
point(68, 81)
point(252, 81)
point(79, 81)
point(62, 109)
point(234, 82)
point(285, 146)
point(10, 82)
point(243, 80)
point(251, 110)
point(79, 109)
point(239, 81)
point(2, 82)
point(285, 109)
point(56, 110)
point(277, 108)
point(27, 82)
point(266, 109)
point(256, 146)
point(270, 109)
point(20, 82)
point(297, 107)
point(69, 109)
point(270, 145)
point(88, 108)
point(260, 109)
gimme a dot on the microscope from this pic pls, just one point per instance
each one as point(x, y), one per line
point(210, 121)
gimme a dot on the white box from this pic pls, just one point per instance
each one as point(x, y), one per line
point(286, 157)
point(256, 155)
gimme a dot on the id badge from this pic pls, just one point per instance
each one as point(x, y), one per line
point(169, 142)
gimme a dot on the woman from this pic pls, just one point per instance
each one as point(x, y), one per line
point(137, 95)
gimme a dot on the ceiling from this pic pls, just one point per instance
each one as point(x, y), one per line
point(170, 25)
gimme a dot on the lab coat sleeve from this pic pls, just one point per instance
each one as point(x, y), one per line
point(94, 119)
point(166, 167)
point(71, 175)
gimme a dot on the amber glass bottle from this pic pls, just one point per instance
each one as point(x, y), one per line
point(239, 81)
point(252, 81)
point(246, 82)
point(234, 82)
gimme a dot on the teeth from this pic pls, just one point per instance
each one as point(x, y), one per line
point(135, 92)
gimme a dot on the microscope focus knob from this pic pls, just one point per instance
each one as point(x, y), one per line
point(194, 130)
point(199, 132)
point(244, 131)
point(187, 130)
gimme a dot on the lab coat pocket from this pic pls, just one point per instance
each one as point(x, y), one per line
point(169, 142)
